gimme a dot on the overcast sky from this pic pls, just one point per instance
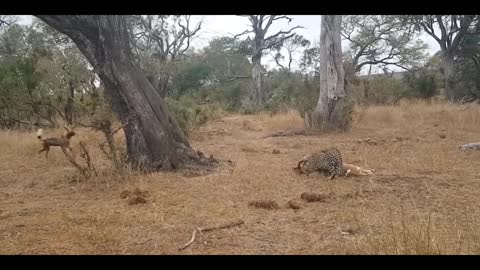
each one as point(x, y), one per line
point(221, 25)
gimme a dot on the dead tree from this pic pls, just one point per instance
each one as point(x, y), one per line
point(259, 27)
point(331, 112)
point(165, 38)
point(291, 45)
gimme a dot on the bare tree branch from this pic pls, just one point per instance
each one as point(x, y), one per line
point(283, 33)
point(7, 20)
point(428, 27)
point(188, 33)
point(277, 57)
point(171, 42)
point(442, 28)
point(243, 33)
point(464, 25)
point(380, 38)
point(448, 43)
point(282, 17)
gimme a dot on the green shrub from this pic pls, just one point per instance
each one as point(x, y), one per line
point(420, 84)
point(190, 114)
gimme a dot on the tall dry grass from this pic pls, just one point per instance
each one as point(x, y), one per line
point(414, 114)
point(423, 198)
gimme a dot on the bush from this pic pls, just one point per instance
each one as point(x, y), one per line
point(191, 78)
point(467, 81)
point(189, 114)
point(229, 94)
point(383, 90)
point(421, 84)
point(291, 91)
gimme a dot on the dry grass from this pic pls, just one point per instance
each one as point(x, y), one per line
point(423, 198)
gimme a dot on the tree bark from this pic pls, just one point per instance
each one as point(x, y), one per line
point(254, 101)
point(160, 84)
point(163, 85)
point(256, 94)
point(333, 110)
point(448, 71)
point(154, 139)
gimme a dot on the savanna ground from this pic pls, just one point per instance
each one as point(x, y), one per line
point(423, 198)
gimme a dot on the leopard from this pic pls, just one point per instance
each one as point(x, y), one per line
point(327, 161)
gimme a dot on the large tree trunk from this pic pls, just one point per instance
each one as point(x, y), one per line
point(448, 71)
point(255, 99)
point(333, 110)
point(256, 94)
point(160, 84)
point(253, 102)
point(154, 139)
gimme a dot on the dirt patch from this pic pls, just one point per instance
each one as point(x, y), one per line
point(248, 149)
point(367, 141)
point(293, 204)
point(362, 194)
point(136, 200)
point(265, 204)
point(289, 132)
point(199, 171)
point(136, 196)
point(250, 126)
point(314, 197)
point(125, 194)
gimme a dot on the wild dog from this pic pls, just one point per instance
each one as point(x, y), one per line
point(63, 141)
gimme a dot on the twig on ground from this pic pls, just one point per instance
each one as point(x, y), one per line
point(200, 230)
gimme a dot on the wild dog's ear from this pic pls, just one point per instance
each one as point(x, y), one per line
point(300, 163)
point(68, 131)
point(298, 169)
point(70, 127)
